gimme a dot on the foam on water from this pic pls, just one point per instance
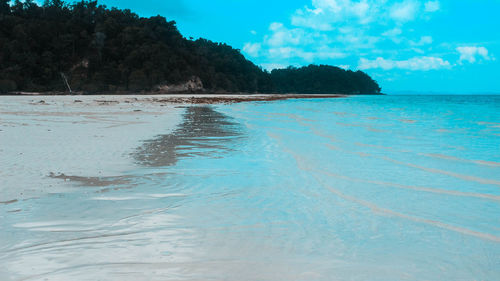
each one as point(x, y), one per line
point(361, 188)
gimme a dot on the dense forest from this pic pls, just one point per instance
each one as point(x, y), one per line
point(87, 47)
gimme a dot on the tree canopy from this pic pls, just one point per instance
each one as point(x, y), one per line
point(97, 49)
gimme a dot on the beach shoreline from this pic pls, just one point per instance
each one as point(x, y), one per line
point(99, 130)
point(194, 98)
point(81, 136)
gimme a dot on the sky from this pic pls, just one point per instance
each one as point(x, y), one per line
point(430, 46)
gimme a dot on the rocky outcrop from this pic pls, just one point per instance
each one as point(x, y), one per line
point(192, 85)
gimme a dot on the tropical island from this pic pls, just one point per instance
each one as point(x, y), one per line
point(88, 48)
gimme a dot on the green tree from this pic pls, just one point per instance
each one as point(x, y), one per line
point(4, 7)
point(54, 3)
point(101, 49)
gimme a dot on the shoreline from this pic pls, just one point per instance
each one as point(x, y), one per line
point(52, 143)
point(189, 98)
point(61, 122)
point(233, 98)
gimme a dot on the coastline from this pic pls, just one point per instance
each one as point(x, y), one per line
point(181, 98)
point(88, 128)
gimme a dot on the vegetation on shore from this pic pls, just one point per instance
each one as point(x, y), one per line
point(87, 47)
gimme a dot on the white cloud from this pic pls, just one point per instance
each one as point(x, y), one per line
point(314, 19)
point(416, 63)
point(424, 40)
point(470, 53)
point(275, 26)
point(271, 66)
point(393, 32)
point(432, 6)
point(360, 9)
point(325, 13)
point(404, 11)
point(325, 52)
point(253, 32)
point(322, 52)
point(287, 43)
point(358, 40)
point(252, 49)
point(332, 5)
point(330, 29)
point(282, 36)
point(284, 52)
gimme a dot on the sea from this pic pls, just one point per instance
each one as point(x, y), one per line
point(352, 188)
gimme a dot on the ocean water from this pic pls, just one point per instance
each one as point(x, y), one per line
point(358, 188)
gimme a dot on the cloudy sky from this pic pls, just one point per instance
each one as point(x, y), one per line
point(447, 46)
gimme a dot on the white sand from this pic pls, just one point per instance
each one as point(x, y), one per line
point(90, 138)
point(84, 136)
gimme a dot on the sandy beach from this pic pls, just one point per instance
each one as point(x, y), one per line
point(48, 138)
point(84, 136)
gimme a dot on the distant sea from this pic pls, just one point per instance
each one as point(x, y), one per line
point(357, 188)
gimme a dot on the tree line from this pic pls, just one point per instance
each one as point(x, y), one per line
point(88, 47)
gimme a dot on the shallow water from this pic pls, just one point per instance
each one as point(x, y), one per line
point(361, 188)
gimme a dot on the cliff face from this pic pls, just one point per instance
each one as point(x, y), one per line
point(87, 47)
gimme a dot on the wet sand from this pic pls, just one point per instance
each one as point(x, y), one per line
point(86, 139)
point(92, 139)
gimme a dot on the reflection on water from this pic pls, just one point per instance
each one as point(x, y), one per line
point(295, 195)
point(203, 132)
point(93, 181)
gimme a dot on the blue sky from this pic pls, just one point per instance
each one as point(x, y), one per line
point(448, 46)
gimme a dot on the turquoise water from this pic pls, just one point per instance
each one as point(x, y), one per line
point(360, 188)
